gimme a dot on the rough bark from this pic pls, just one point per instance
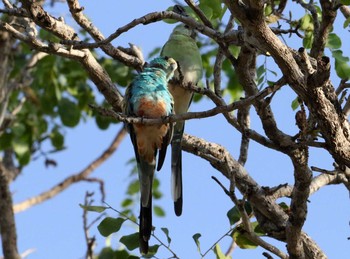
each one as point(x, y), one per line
point(7, 219)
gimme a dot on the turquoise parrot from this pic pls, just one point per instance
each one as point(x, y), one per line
point(148, 97)
point(183, 48)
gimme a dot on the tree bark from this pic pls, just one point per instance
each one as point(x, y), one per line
point(7, 220)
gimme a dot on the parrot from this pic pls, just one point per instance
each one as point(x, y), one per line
point(182, 47)
point(148, 97)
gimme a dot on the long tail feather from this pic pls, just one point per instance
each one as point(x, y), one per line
point(146, 172)
point(145, 227)
point(176, 172)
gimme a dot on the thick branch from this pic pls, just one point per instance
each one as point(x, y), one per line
point(7, 219)
point(6, 42)
point(345, 11)
point(81, 176)
point(300, 195)
point(324, 105)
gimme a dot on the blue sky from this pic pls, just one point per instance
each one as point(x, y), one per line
point(54, 228)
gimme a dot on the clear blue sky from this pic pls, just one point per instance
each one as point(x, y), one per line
point(54, 229)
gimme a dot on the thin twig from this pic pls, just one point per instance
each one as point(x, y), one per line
point(216, 242)
point(81, 176)
point(90, 242)
point(136, 223)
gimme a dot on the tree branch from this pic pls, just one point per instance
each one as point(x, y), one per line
point(321, 34)
point(300, 195)
point(7, 219)
point(81, 176)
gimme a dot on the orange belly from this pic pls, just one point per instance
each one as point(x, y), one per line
point(151, 109)
point(150, 137)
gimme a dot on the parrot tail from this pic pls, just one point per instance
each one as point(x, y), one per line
point(176, 172)
point(145, 227)
point(146, 172)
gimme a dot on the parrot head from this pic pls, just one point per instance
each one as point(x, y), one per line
point(168, 65)
point(184, 30)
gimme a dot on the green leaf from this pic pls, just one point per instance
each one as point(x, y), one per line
point(127, 202)
point(57, 139)
point(284, 205)
point(69, 112)
point(346, 22)
point(233, 215)
point(110, 225)
point(159, 211)
point(333, 41)
point(338, 55)
point(342, 69)
point(122, 254)
point(24, 159)
point(102, 122)
point(134, 187)
point(308, 39)
point(130, 241)
point(166, 232)
point(196, 240)
point(152, 250)
point(155, 190)
point(242, 241)
point(306, 23)
point(346, 2)
point(219, 254)
point(257, 229)
point(5, 140)
point(295, 104)
point(20, 146)
point(107, 253)
point(18, 129)
point(94, 208)
point(260, 71)
point(214, 5)
point(208, 12)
